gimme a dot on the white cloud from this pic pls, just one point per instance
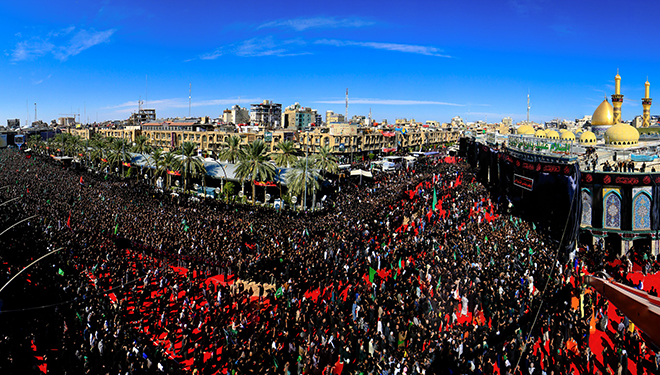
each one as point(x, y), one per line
point(31, 49)
point(43, 80)
point(260, 46)
point(408, 48)
point(389, 102)
point(301, 24)
point(61, 49)
point(83, 40)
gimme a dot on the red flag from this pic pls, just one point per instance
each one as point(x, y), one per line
point(68, 222)
point(81, 181)
point(344, 293)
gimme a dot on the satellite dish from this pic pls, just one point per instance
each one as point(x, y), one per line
point(267, 197)
point(294, 199)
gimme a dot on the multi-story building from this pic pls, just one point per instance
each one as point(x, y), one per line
point(13, 123)
point(128, 133)
point(236, 115)
point(66, 121)
point(331, 118)
point(266, 113)
point(142, 116)
point(347, 139)
point(298, 117)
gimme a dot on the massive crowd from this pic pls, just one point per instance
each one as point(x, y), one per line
point(413, 272)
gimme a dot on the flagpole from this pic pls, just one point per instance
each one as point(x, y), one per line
point(28, 266)
point(33, 216)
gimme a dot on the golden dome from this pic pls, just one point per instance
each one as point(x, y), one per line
point(622, 135)
point(603, 115)
point(588, 138)
point(551, 134)
point(568, 136)
point(540, 133)
point(523, 129)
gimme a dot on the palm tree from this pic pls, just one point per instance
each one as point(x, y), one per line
point(99, 146)
point(34, 141)
point(302, 179)
point(231, 150)
point(166, 163)
point(119, 153)
point(287, 157)
point(324, 161)
point(284, 159)
point(73, 145)
point(141, 146)
point(255, 165)
point(154, 161)
point(191, 163)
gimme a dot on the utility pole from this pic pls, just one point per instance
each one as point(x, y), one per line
point(346, 113)
point(528, 106)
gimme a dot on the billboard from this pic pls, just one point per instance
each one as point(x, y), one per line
point(19, 140)
point(3, 140)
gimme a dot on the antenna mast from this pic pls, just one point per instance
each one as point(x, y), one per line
point(528, 106)
point(35, 111)
point(146, 92)
point(189, 100)
point(346, 113)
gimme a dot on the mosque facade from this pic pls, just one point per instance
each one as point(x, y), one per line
point(556, 177)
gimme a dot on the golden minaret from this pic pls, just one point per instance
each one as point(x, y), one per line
point(646, 103)
point(617, 98)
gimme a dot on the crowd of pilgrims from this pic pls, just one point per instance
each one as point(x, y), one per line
point(382, 281)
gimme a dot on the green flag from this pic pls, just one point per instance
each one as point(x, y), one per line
point(60, 272)
point(531, 252)
point(454, 254)
point(527, 235)
point(399, 262)
point(279, 292)
point(534, 226)
point(478, 250)
point(435, 199)
point(116, 228)
point(485, 238)
point(372, 273)
point(438, 285)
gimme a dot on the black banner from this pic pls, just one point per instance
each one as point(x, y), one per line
point(591, 178)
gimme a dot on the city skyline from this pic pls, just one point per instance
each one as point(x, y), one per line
point(427, 61)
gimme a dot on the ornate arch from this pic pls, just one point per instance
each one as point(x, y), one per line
point(612, 210)
point(641, 209)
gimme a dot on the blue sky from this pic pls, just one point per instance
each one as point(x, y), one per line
point(424, 60)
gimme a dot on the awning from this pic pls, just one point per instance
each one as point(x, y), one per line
point(389, 134)
point(359, 172)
